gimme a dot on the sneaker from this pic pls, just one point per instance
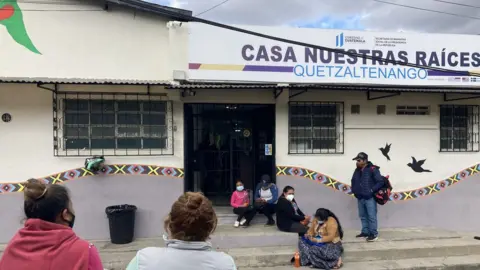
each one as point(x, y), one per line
point(245, 225)
point(242, 222)
point(372, 238)
point(236, 224)
point(362, 235)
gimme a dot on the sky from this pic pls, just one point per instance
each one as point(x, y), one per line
point(341, 14)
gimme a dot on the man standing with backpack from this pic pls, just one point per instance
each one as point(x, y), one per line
point(366, 181)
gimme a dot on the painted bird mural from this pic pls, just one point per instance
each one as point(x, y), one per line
point(12, 18)
point(385, 150)
point(417, 165)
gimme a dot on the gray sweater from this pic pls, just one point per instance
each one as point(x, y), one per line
point(180, 255)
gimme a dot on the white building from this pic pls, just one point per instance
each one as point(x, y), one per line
point(101, 83)
point(322, 108)
point(88, 79)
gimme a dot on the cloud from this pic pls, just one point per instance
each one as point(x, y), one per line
point(346, 14)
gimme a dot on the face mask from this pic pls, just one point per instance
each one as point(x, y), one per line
point(70, 222)
point(290, 197)
point(240, 188)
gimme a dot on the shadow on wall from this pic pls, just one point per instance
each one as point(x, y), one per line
point(152, 194)
point(452, 209)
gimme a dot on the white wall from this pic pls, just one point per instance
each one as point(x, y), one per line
point(416, 136)
point(90, 43)
point(26, 143)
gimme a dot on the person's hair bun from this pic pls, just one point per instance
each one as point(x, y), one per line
point(34, 189)
point(194, 202)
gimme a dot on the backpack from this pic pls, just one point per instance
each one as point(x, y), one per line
point(383, 194)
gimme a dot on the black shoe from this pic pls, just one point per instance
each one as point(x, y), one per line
point(372, 238)
point(246, 225)
point(270, 223)
point(362, 235)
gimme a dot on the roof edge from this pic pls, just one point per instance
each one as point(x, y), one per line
point(157, 9)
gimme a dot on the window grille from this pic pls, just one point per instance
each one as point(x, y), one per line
point(87, 124)
point(459, 128)
point(316, 127)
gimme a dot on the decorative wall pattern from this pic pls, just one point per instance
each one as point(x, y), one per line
point(396, 196)
point(117, 169)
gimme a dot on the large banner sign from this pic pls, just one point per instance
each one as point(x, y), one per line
point(217, 54)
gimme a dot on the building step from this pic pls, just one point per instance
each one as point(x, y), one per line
point(361, 252)
point(226, 216)
point(471, 262)
point(260, 246)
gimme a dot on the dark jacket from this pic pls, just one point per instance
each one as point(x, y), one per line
point(273, 189)
point(286, 214)
point(367, 181)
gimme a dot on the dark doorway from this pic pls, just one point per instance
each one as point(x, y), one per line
point(225, 143)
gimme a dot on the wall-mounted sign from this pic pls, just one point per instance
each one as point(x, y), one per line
point(268, 149)
point(241, 57)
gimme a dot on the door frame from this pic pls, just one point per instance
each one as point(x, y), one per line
point(186, 141)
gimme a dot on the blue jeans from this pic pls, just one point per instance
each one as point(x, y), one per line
point(367, 210)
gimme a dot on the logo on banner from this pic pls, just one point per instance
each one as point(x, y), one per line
point(341, 39)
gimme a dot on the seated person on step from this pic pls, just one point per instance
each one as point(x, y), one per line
point(189, 225)
point(266, 195)
point(321, 247)
point(289, 216)
point(240, 201)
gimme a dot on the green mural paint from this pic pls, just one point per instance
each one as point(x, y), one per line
point(12, 18)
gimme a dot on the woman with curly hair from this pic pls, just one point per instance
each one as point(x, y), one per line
point(321, 247)
point(189, 225)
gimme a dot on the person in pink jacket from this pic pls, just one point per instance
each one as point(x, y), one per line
point(240, 202)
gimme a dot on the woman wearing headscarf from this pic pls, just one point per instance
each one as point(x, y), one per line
point(266, 196)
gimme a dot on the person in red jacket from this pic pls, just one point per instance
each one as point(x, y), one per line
point(47, 240)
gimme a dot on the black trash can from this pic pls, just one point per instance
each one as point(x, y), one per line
point(121, 220)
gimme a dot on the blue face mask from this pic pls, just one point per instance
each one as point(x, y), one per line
point(240, 188)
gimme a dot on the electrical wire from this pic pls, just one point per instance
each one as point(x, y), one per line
point(303, 44)
point(457, 4)
point(146, 7)
point(428, 10)
point(212, 8)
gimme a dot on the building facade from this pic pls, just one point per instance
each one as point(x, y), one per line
point(80, 79)
point(184, 106)
point(418, 122)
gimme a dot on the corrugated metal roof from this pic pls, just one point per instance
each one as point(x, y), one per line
point(221, 86)
point(349, 87)
point(81, 81)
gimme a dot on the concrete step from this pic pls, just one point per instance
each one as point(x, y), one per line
point(471, 262)
point(260, 246)
point(362, 252)
point(226, 216)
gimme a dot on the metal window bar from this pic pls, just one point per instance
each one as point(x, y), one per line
point(316, 127)
point(112, 124)
point(459, 128)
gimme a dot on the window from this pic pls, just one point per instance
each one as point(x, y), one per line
point(413, 110)
point(112, 125)
point(315, 128)
point(355, 109)
point(381, 109)
point(458, 128)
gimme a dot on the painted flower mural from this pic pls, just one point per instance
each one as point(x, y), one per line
point(12, 18)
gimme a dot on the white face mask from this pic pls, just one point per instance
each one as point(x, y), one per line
point(290, 197)
point(240, 188)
